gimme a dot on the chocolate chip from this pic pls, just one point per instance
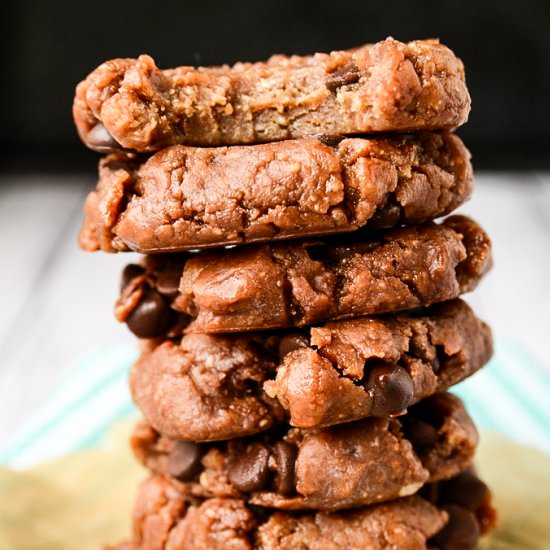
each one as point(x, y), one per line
point(179, 323)
point(285, 459)
point(291, 342)
point(388, 215)
point(131, 271)
point(249, 470)
point(461, 531)
point(349, 74)
point(168, 282)
point(331, 140)
point(151, 317)
point(392, 389)
point(421, 434)
point(99, 139)
point(184, 460)
point(465, 490)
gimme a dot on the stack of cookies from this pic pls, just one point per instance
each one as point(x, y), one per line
point(298, 308)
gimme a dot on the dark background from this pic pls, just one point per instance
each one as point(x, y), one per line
point(48, 46)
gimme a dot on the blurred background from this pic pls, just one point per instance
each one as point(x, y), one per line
point(57, 302)
point(50, 46)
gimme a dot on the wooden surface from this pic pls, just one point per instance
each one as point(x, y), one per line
point(57, 301)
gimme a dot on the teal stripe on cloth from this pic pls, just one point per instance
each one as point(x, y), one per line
point(79, 412)
point(509, 395)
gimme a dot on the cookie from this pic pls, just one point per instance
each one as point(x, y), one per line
point(165, 518)
point(302, 283)
point(185, 198)
point(388, 86)
point(214, 387)
point(350, 465)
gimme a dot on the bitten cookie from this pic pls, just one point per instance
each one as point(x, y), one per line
point(350, 465)
point(388, 86)
point(212, 387)
point(442, 519)
point(184, 197)
point(298, 284)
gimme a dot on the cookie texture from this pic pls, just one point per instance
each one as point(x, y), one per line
point(299, 284)
point(387, 86)
point(214, 387)
point(184, 197)
point(166, 519)
point(362, 462)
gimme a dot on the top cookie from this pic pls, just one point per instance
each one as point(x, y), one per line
point(387, 86)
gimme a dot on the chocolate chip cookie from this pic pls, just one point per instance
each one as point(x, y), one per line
point(214, 387)
point(298, 284)
point(184, 197)
point(350, 465)
point(388, 86)
point(165, 518)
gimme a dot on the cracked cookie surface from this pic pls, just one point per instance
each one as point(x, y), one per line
point(387, 86)
point(184, 197)
point(213, 387)
point(362, 462)
point(298, 284)
point(452, 514)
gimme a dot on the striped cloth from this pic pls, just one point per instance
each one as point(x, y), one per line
point(510, 395)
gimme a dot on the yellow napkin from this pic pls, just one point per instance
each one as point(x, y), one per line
point(84, 500)
point(519, 478)
point(78, 502)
